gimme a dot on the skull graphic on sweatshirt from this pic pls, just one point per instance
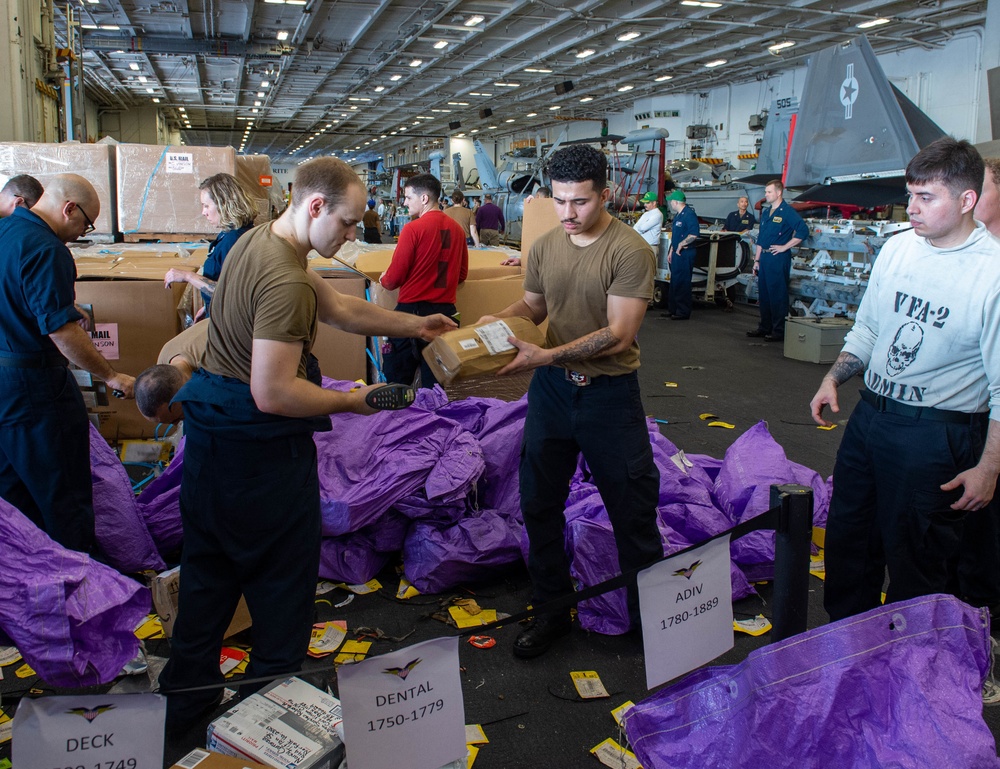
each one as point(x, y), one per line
point(904, 348)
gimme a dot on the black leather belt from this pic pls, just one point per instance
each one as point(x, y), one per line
point(889, 406)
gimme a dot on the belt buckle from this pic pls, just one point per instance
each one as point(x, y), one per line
point(580, 380)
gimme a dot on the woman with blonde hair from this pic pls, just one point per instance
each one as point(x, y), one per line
point(225, 204)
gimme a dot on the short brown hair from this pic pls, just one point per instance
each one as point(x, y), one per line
point(993, 166)
point(775, 183)
point(330, 177)
point(457, 196)
point(955, 164)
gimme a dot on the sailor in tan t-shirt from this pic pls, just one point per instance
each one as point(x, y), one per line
point(464, 217)
point(592, 279)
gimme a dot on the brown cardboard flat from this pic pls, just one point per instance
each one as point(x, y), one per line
point(341, 355)
point(158, 186)
point(539, 217)
point(477, 298)
point(462, 354)
point(206, 759)
point(250, 169)
point(94, 162)
point(146, 317)
point(483, 263)
point(164, 588)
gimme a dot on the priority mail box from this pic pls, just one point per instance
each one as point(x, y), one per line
point(288, 725)
point(479, 349)
point(204, 759)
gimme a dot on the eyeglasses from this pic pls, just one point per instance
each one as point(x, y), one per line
point(90, 222)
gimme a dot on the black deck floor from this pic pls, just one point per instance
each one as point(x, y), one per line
point(526, 707)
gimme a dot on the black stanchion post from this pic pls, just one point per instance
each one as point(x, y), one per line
point(793, 538)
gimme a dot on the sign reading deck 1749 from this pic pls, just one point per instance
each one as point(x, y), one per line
point(687, 611)
point(407, 703)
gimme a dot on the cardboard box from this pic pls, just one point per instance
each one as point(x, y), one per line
point(342, 355)
point(290, 724)
point(477, 298)
point(483, 263)
point(94, 162)
point(165, 587)
point(817, 340)
point(539, 217)
point(142, 317)
point(255, 174)
point(204, 759)
point(477, 350)
point(158, 186)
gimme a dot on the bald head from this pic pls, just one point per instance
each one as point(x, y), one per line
point(69, 206)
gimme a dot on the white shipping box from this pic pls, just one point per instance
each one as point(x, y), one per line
point(289, 725)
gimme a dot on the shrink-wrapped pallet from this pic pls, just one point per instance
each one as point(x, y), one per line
point(254, 173)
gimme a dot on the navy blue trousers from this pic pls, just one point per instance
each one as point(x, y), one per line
point(403, 356)
point(45, 453)
point(679, 298)
point(772, 283)
point(888, 510)
point(605, 422)
point(251, 518)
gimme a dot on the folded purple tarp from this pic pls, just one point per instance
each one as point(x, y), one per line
point(72, 619)
point(118, 525)
point(160, 505)
point(899, 686)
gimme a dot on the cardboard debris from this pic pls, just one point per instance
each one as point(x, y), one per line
point(165, 586)
point(204, 759)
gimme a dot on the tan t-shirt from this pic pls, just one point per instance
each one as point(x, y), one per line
point(577, 280)
point(189, 344)
point(264, 292)
point(462, 215)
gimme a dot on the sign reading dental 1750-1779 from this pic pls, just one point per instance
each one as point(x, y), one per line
point(687, 611)
point(404, 708)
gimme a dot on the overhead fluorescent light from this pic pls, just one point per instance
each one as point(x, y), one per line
point(182, 109)
point(459, 136)
point(441, 44)
point(474, 20)
point(508, 85)
point(88, 26)
point(155, 100)
point(663, 78)
point(150, 90)
point(458, 103)
point(255, 110)
point(715, 63)
point(379, 88)
point(491, 127)
point(625, 88)
point(873, 23)
point(585, 99)
point(141, 78)
point(555, 107)
point(282, 35)
point(585, 53)
point(358, 98)
point(536, 69)
point(264, 83)
point(474, 130)
point(133, 66)
point(295, 2)
point(781, 46)
point(416, 62)
point(260, 94)
point(110, 27)
point(394, 78)
point(256, 104)
point(630, 35)
point(701, 4)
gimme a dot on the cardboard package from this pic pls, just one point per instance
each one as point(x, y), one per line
point(287, 724)
point(94, 162)
point(539, 217)
point(135, 318)
point(341, 355)
point(255, 174)
point(483, 263)
point(477, 350)
point(203, 759)
point(165, 587)
point(158, 186)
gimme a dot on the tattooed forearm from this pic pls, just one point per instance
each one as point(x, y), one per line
point(845, 367)
point(591, 346)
